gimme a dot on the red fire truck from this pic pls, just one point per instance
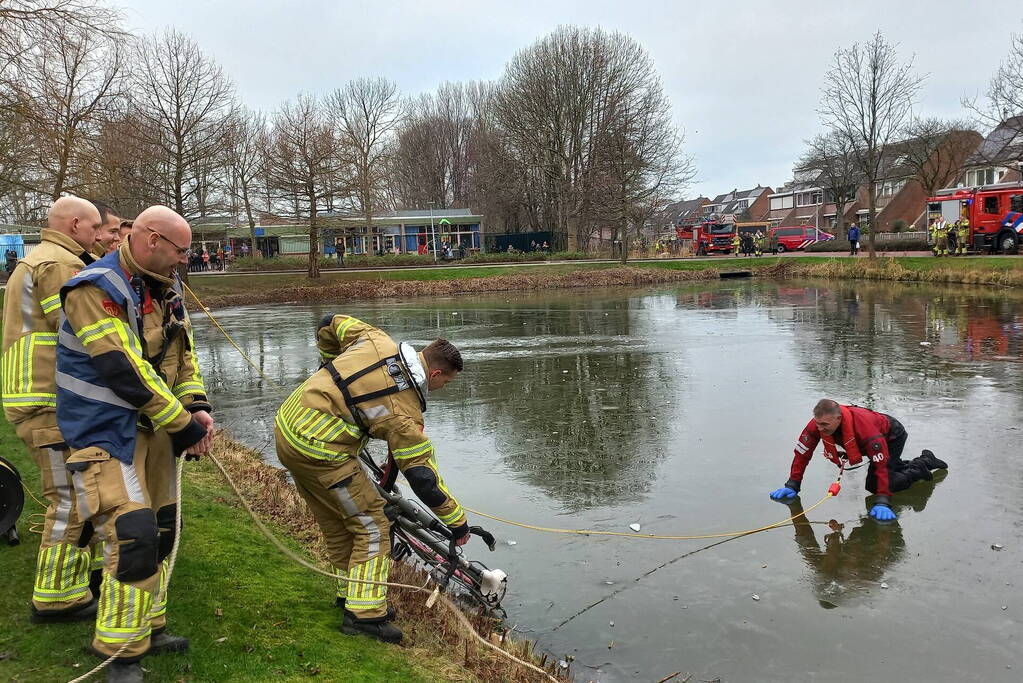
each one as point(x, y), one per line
point(712, 234)
point(995, 213)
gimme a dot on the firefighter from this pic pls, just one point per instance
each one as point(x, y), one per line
point(940, 234)
point(962, 235)
point(130, 398)
point(758, 243)
point(736, 243)
point(31, 317)
point(369, 386)
point(109, 235)
point(852, 434)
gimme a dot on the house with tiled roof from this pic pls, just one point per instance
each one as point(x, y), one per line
point(745, 205)
point(998, 158)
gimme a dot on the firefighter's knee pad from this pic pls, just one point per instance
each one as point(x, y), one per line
point(138, 543)
point(165, 519)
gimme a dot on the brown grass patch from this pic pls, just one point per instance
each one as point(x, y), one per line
point(430, 633)
point(375, 289)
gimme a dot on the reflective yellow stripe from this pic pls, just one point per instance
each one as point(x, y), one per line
point(188, 388)
point(343, 327)
point(412, 451)
point(50, 303)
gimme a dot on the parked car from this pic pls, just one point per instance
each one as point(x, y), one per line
point(792, 238)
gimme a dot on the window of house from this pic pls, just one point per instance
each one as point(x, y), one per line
point(991, 204)
point(778, 203)
point(983, 176)
point(809, 198)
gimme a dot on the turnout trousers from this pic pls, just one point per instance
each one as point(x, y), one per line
point(350, 513)
point(901, 474)
point(69, 549)
point(133, 508)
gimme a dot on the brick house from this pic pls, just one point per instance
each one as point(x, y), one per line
point(901, 197)
point(999, 157)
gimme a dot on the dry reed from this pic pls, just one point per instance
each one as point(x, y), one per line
point(431, 634)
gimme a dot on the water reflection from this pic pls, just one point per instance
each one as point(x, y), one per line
point(851, 565)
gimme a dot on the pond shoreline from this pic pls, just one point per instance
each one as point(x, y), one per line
point(994, 272)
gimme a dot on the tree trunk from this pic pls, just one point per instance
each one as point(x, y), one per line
point(872, 224)
point(314, 240)
point(252, 223)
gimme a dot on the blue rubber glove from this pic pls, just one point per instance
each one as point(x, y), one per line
point(882, 513)
point(783, 493)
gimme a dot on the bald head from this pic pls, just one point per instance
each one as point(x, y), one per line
point(160, 239)
point(77, 218)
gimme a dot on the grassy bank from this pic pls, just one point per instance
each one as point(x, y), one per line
point(250, 612)
point(276, 288)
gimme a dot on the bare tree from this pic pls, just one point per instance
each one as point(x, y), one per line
point(934, 149)
point(305, 164)
point(640, 165)
point(366, 113)
point(1003, 100)
point(247, 142)
point(27, 24)
point(831, 158)
point(868, 97)
point(181, 100)
point(67, 87)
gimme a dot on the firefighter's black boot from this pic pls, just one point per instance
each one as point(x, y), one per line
point(86, 612)
point(928, 458)
point(167, 642)
point(379, 628)
point(121, 672)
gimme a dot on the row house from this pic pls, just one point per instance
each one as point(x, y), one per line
point(901, 198)
point(998, 158)
point(746, 205)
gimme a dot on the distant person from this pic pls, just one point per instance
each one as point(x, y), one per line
point(11, 261)
point(736, 244)
point(532, 245)
point(339, 252)
point(546, 247)
point(205, 259)
point(939, 235)
point(854, 239)
point(245, 250)
point(759, 241)
point(221, 258)
point(852, 434)
point(962, 235)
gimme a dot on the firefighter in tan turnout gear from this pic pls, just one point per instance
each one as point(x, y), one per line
point(31, 316)
point(130, 398)
point(369, 386)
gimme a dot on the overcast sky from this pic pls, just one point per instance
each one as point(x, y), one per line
point(744, 77)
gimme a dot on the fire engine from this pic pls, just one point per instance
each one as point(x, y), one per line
point(709, 234)
point(995, 213)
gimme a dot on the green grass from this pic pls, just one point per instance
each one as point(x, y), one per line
point(251, 614)
point(210, 286)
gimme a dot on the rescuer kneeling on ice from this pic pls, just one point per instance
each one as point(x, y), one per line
point(850, 434)
point(369, 386)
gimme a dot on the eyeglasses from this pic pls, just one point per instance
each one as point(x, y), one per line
point(181, 250)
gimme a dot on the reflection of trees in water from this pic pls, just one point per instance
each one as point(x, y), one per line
point(851, 563)
point(570, 394)
point(866, 337)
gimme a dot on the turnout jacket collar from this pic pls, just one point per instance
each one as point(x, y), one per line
point(847, 432)
point(65, 241)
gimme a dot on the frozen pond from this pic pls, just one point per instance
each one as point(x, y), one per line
point(677, 408)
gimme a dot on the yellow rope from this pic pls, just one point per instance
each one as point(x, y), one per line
point(590, 532)
point(226, 335)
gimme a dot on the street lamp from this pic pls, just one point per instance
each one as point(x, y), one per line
point(433, 232)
